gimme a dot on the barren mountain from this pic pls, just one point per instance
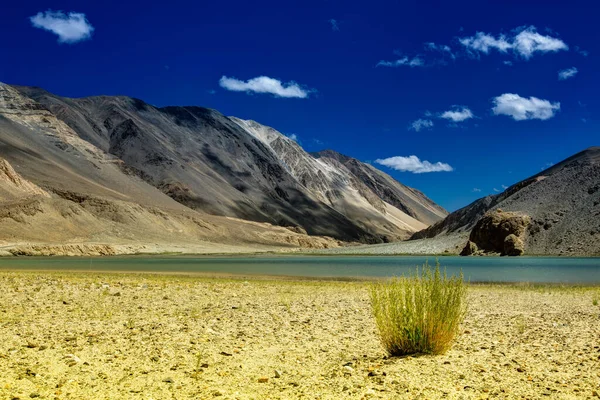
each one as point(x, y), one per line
point(115, 168)
point(372, 199)
point(59, 189)
point(560, 204)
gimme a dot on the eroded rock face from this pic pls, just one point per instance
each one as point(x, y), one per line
point(498, 232)
point(513, 245)
point(470, 249)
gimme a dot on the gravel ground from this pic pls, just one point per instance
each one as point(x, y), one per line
point(144, 336)
point(447, 244)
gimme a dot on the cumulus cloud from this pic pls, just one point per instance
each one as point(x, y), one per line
point(459, 114)
point(70, 28)
point(567, 73)
point(293, 136)
point(413, 164)
point(416, 61)
point(420, 124)
point(523, 42)
point(264, 84)
point(521, 108)
point(335, 26)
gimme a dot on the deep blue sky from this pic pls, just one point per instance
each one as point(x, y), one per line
point(175, 53)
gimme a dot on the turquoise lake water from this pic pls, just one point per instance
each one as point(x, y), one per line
point(475, 269)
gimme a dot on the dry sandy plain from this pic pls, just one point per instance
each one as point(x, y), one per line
point(124, 336)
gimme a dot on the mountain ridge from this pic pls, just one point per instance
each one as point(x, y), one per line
point(188, 159)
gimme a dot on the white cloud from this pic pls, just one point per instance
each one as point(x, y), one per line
point(521, 108)
point(413, 164)
point(524, 42)
point(484, 42)
point(567, 73)
point(504, 187)
point(264, 84)
point(334, 25)
point(293, 136)
point(458, 114)
point(70, 28)
point(476, 190)
point(420, 124)
point(509, 63)
point(416, 61)
point(441, 48)
point(496, 190)
point(529, 41)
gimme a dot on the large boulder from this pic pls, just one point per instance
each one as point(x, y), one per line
point(513, 245)
point(469, 250)
point(499, 232)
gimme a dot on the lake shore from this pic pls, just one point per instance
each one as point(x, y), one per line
point(100, 335)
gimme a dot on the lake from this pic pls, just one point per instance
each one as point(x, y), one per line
point(475, 269)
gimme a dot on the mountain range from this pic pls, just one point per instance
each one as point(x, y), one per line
point(114, 169)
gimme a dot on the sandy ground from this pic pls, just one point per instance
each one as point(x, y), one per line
point(122, 336)
point(443, 244)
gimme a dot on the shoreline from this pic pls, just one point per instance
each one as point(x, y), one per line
point(284, 254)
point(224, 276)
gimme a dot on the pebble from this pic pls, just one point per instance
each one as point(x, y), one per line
point(278, 373)
point(263, 379)
point(168, 380)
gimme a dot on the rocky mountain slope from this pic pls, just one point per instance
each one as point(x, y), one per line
point(370, 198)
point(560, 204)
point(116, 168)
point(59, 189)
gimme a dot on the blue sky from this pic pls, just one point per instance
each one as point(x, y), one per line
point(487, 92)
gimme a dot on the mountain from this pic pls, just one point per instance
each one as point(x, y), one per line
point(60, 192)
point(127, 167)
point(370, 198)
point(559, 207)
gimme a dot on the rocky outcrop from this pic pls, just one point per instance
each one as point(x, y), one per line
point(470, 249)
point(513, 245)
point(498, 232)
point(13, 186)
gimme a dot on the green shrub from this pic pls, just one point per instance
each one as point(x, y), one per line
point(420, 313)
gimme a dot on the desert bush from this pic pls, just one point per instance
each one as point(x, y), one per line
point(420, 313)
